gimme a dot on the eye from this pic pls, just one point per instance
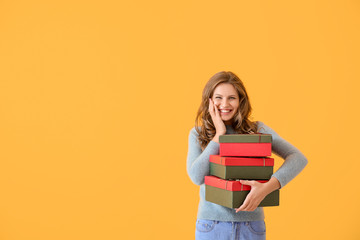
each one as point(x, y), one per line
point(218, 97)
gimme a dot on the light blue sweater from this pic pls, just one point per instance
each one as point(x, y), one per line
point(197, 166)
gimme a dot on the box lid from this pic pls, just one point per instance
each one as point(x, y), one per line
point(241, 161)
point(246, 138)
point(230, 185)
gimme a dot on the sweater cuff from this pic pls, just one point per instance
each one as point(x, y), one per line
point(281, 181)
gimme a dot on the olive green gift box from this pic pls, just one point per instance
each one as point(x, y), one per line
point(246, 138)
point(232, 194)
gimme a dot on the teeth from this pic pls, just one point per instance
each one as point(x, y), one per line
point(224, 110)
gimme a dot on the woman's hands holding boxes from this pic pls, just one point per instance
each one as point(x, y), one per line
point(257, 193)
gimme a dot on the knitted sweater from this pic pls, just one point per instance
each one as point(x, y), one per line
point(198, 167)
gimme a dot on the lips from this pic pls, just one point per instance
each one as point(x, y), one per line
point(225, 110)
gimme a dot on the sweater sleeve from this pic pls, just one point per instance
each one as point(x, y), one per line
point(197, 163)
point(294, 162)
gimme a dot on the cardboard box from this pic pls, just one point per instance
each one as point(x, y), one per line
point(241, 167)
point(250, 145)
point(232, 194)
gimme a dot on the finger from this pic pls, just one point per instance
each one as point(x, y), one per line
point(247, 182)
point(253, 206)
point(250, 207)
point(211, 108)
point(217, 111)
point(244, 205)
point(244, 182)
point(212, 105)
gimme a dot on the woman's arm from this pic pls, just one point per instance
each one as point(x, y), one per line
point(197, 163)
point(294, 162)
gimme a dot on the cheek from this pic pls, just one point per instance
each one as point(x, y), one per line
point(234, 111)
point(235, 105)
point(217, 102)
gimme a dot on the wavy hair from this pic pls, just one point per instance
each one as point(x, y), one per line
point(241, 123)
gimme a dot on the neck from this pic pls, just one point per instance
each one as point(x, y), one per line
point(228, 123)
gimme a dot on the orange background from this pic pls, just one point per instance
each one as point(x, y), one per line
point(98, 98)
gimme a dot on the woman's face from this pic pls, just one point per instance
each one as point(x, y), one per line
point(226, 99)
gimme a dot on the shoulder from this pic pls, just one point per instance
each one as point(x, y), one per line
point(193, 132)
point(264, 128)
point(193, 137)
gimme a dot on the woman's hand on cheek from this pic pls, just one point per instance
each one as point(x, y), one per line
point(257, 193)
point(216, 118)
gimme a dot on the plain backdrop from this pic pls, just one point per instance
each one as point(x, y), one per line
point(98, 98)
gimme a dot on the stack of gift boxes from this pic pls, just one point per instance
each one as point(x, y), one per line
point(245, 157)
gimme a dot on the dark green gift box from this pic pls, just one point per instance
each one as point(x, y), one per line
point(241, 167)
point(232, 194)
point(246, 138)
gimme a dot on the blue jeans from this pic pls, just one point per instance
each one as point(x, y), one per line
point(212, 229)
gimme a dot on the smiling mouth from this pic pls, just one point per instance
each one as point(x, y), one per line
point(224, 111)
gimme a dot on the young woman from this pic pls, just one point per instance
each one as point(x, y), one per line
point(225, 109)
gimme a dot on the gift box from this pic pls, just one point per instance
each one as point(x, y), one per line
point(232, 194)
point(251, 145)
point(241, 167)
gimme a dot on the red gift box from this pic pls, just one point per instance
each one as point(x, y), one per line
point(241, 167)
point(229, 185)
point(241, 161)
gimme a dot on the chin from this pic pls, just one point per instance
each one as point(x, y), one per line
point(227, 119)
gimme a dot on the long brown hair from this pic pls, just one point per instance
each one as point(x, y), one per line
point(241, 123)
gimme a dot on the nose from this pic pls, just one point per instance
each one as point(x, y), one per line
point(224, 103)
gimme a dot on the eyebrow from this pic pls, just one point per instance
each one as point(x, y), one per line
point(229, 96)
